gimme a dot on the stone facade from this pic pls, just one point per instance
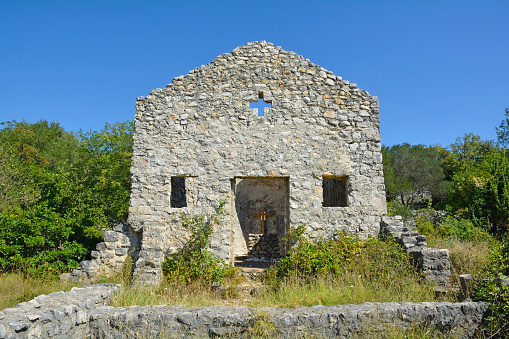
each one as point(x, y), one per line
point(312, 158)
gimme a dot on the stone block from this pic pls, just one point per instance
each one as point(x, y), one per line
point(121, 251)
point(111, 236)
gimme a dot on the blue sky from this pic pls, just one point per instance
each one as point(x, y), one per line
point(439, 68)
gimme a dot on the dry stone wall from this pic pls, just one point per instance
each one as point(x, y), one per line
point(200, 128)
point(110, 255)
point(83, 313)
point(433, 262)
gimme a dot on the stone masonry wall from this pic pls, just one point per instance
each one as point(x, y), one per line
point(433, 262)
point(264, 246)
point(82, 313)
point(119, 244)
point(200, 127)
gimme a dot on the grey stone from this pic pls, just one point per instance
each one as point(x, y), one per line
point(434, 263)
point(121, 251)
point(111, 236)
point(197, 143)
point(82, 313)
point(19, 326)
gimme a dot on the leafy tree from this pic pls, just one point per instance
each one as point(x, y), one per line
point(503, 131)
point(411, 171)
point(107, 174)
point(467, 152)
point(58, 191)
point(480, 182)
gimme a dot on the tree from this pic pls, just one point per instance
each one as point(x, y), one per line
point(58, 191)
point(480, 182)
point(412, 171)
point(503, 131)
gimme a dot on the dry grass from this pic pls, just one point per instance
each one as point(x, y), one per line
point(193, 295)
point(467, 256)
point(350, 288)
point(16, 288)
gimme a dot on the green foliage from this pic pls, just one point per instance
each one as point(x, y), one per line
point(449, 226)
point(295, 234)
point(503, 131)
point(38, 240)
point(395, 207)
point(480, 189)
point(496, 292)
point(312, 258)
point(411, 171)
point(57, 193)
point(345, 252)
point(106, 176)
point(194, 261)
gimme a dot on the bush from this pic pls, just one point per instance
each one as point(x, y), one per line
point(493, 290)
point(373, 259)
point(395, 207)
point(449, 226)
point(194, 262)
point(312, 258)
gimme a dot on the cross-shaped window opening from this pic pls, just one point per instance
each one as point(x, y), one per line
point(260, 104)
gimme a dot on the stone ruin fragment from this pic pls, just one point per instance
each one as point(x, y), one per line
point(311, 156)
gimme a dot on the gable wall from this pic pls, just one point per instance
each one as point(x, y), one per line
point(201, 125)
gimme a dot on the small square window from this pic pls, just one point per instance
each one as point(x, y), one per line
point(335, 191)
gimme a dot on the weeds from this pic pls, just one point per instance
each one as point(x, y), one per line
point(194, 261)
point(18, 287)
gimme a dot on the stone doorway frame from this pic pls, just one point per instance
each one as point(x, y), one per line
point(234, 219)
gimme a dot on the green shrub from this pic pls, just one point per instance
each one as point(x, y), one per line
point(491, 289)
point(38, 241)
point(395, 207)
point(194, 262)
point(372, 259)
point(450, 226)
point(312, 258)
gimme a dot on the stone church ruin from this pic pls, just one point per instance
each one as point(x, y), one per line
point(311, 157)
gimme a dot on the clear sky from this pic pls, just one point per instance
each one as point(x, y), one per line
point(439, 68)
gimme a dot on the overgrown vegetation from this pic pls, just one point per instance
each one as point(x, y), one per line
point(18, 287)
point(194, 262)
point(495, 289)
point(58, 191)
point(344, 269)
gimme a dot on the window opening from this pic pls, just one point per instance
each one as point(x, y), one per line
point(260, 104)
point(178, 197)
point(335, 191)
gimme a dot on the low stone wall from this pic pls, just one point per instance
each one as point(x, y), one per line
point(58, 315)
point(433, 262)
point(119, 244)
point(80, 313)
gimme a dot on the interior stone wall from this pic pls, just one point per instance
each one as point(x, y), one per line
point(253, 194)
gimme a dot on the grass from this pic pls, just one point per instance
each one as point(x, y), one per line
point(467, 256)
point(376, 272)
point(353, 286)
point(358, 284)
point(349, 288)
point(17, 287)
